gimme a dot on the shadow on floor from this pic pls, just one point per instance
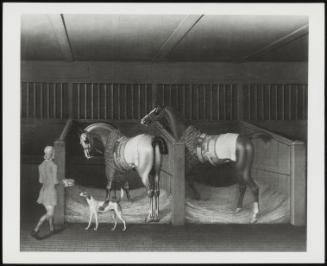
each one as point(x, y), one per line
point(163, 237)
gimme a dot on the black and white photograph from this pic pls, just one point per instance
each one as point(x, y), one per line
point(176, 132)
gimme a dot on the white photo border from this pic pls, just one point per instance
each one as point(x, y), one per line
point(11, 133)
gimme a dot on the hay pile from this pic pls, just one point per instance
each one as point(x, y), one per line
point(217, 205)
point(77, 211)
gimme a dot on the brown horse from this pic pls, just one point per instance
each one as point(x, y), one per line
point(214, 149)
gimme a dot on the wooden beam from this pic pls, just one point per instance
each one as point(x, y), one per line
point(59, 28)
point(178, 34)
point(60, 160)
point(279, 42)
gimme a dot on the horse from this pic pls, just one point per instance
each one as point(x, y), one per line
point(142, 153)
point(230, 148)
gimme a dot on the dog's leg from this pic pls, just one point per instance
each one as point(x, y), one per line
point(115, 221)
point(96, 221)
point(91, 213)
point(119, 215)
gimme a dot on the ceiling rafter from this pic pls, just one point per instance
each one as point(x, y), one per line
point(177, 36)
point(303, 30)
point(59, 28)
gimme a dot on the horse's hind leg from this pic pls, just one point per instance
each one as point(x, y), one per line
point(242, 189)
point(156, 197)
point(150, 192)
point(144, 169)
point(126, 189)
point(190, 182)
point(245, 155)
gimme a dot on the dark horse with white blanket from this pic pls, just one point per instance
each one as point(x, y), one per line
point(215, 149)
point(141, 153)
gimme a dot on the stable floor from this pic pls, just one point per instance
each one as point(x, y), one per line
point(164, 237)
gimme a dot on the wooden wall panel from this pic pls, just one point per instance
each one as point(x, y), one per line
point(195, 101)
point(114, 101)
point(44, 100)
point(275, 101)
point(277, 182)
point(200, 101)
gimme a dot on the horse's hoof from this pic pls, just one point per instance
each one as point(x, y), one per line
point(95, 229)
point(254, 220)
point(124, 229)
point(113, 229)
point(86, 228)
point(35, 235)
point(149, 219)
point(156, 219)
point(237, 210)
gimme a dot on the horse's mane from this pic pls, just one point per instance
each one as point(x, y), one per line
point(174, 122)
point(100, 125)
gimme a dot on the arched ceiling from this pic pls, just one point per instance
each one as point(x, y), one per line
point(70, 37)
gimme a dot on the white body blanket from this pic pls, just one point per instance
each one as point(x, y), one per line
point(217, 148)
point(226, 146)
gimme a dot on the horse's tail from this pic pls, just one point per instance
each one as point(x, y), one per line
point(265, 137)
point(161, 143)
point(159, 147)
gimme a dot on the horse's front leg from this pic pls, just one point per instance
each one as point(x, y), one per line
point(110, 174)
point(107, 198)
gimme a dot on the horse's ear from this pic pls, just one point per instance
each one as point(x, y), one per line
point(78, 127)
point(79, 132)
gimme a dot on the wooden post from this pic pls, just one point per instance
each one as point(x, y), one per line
point(60, 155)
point(298, 183)
point(178, 184)
point(70, 100)
point(154, 99)
point(240, 99)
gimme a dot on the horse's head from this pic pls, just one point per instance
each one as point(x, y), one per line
point(154, 115)
point(93, 138)
point(86, 142)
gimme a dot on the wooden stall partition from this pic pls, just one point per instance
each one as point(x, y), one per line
point(280, 163)
point(172, 177)
point(60, 160)
point(298, 183)
point(178, 182)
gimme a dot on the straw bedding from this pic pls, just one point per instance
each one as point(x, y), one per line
point(77, 211)
point(218, 205)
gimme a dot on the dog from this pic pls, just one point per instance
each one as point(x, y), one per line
point(94, 210)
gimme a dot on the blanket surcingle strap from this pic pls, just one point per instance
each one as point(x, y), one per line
point(119, 157)
point(114, 151)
